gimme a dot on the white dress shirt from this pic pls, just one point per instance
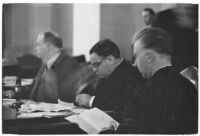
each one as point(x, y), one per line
point(52, 60)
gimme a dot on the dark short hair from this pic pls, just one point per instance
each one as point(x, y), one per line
point(155, 39)
point(150, 11)
point(105, 48)
point(52, 38)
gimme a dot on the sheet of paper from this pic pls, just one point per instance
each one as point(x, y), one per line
point(66, 104)
point(82, 124)
point(44, 114)
point(93, 121)
point(99, 119)
point(30, 115)
point(25, 82)
point(79, 110)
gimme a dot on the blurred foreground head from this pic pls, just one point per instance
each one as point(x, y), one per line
point(186, 15)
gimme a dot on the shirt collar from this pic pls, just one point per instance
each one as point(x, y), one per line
point(52, 60)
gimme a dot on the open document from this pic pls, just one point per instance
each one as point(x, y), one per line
point(93, 121)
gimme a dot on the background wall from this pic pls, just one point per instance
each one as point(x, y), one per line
point(62, 23)
point(23, 22)
point(120, 21)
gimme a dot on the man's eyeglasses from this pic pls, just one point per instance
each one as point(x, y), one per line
point(97, 64)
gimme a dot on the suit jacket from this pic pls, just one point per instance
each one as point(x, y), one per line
point(112, 93)
point(166, 104)
point(47, 84)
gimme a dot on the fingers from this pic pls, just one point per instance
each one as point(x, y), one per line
point(83, 99)
point(80, 99)
point(77, 99)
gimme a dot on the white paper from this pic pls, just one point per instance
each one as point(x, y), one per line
point(93, 121)
point(79, 110)
point(66, 104)
point(41, 106)
point(8, 101)
point(25, 82)
point(99, 119)
point(84, 125)
point(9, 80)
point(43, 114)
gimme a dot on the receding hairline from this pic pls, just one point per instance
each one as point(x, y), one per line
point(57, 40)
point(154, 36)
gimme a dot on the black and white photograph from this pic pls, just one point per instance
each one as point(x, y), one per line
point(99, 68)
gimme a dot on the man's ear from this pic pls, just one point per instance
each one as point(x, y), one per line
point(110, 59)
point(150, 57)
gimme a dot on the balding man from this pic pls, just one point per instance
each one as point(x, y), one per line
point(56, 69)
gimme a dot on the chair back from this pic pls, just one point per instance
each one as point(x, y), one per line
point(80, 58)
point(191, 73)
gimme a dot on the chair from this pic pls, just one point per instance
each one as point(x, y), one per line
point(10, 70)
point(191, 73)
point(80, 58)
point(29, 65)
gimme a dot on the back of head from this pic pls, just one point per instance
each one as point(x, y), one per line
point(105, 48)
point(52, 38)
point(155, 39)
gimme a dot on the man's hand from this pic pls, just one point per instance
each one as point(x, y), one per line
point(83, 100)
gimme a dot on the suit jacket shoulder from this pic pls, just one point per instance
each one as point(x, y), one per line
point(48, 87)
point(114, 92)
point(166, 104)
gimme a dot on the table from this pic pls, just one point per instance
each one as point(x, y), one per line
point(41, 125)
point(57, 125)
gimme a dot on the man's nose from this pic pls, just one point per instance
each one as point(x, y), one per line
point(94, 69)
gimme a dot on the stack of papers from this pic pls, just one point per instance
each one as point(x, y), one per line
point(8, 101)
point(10, 81)
point(31, 109)
point(41, 106)
point(44, 114)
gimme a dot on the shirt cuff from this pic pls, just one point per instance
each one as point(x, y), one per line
point(91, 101)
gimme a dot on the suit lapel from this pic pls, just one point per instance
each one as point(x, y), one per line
point(37, 80)
point(58, 61)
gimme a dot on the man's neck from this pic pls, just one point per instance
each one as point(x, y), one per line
point(161, 65)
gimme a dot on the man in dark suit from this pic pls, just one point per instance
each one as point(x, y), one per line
point(56, 68)
point(118, 78)
point(168, 102)
point(149, 17)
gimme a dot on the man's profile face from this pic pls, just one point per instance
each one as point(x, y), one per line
point(99, 65)
point(41, 48)
point(141, 60)
point(148, 18)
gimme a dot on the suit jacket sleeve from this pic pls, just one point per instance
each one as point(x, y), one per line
point(115, 101)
